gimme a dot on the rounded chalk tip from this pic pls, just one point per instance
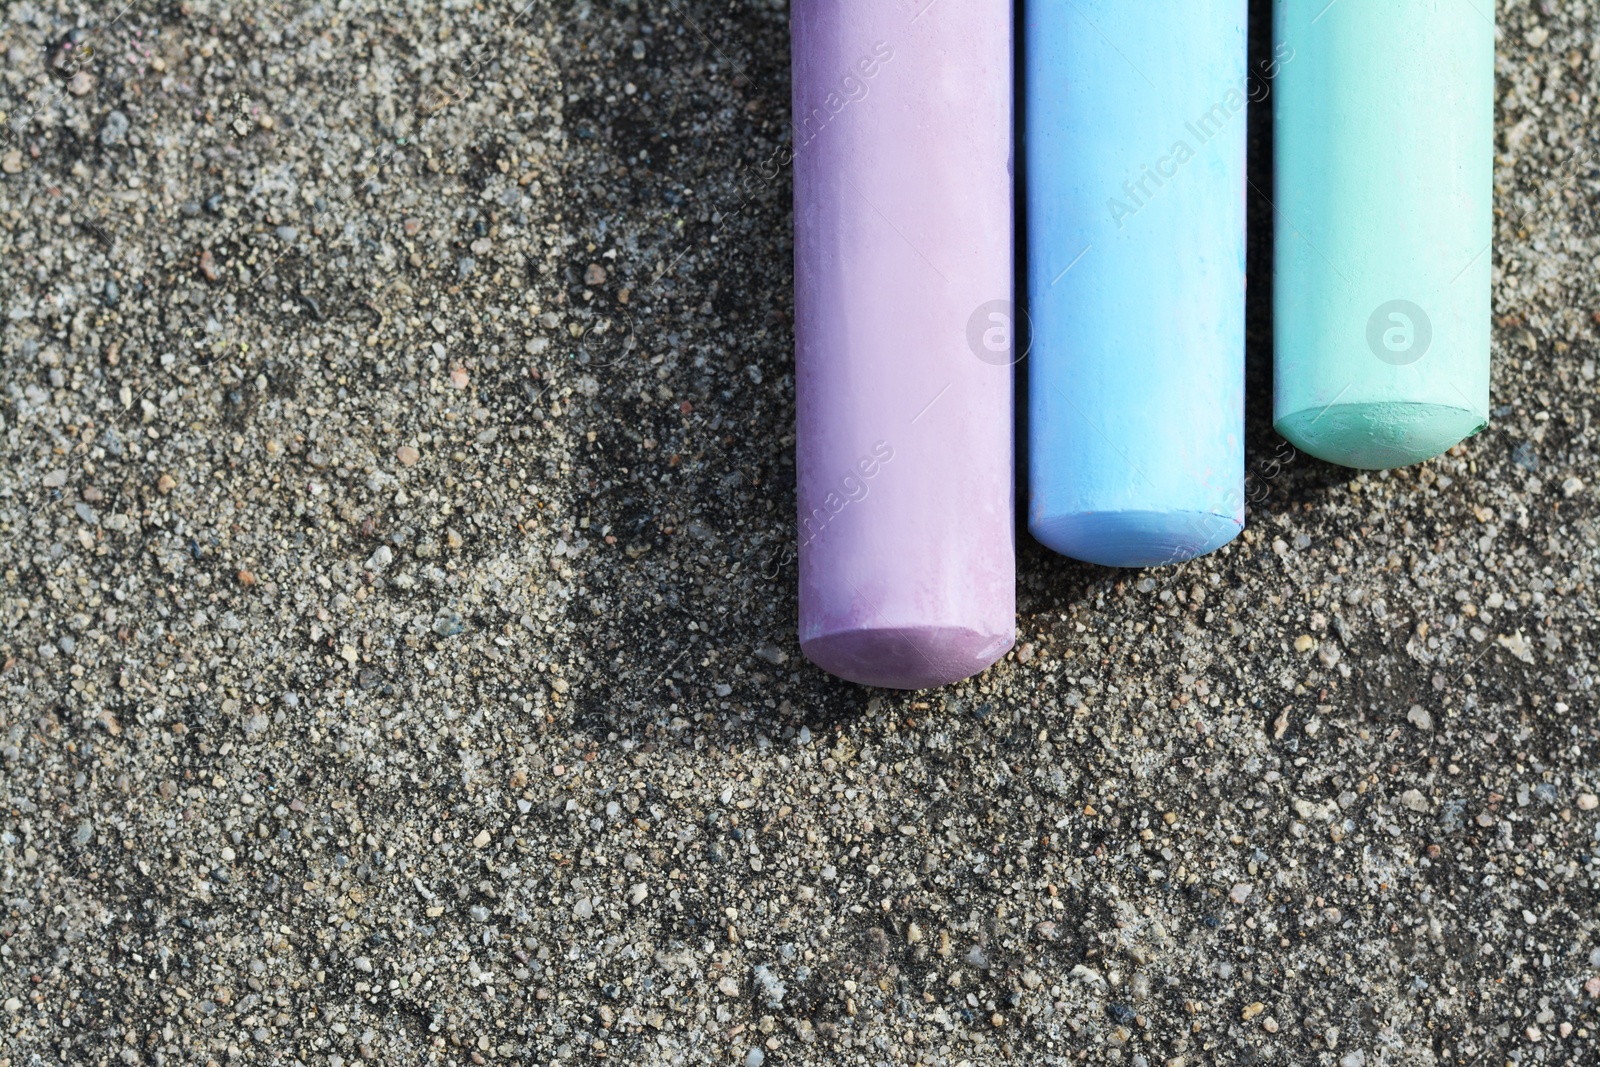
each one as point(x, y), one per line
point(1134, 538)
point(908, 657)
point(1379, 435)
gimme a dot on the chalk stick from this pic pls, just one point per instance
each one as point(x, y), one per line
point(1384, 139)
point(1136, 132)
point(903, 252)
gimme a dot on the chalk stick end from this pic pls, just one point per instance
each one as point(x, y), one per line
point(911, 657)
point(1380, 435)
point(1135, 538)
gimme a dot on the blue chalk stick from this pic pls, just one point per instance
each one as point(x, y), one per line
point(1135, 151)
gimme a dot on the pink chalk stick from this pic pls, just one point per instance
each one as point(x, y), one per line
point(903, 289)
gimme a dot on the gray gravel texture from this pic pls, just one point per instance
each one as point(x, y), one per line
point(398, 600)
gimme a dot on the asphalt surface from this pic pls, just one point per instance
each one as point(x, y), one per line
point(398, 590)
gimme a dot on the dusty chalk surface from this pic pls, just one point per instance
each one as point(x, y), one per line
point(397, 605)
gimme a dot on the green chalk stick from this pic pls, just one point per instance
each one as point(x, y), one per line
point(1384, 137)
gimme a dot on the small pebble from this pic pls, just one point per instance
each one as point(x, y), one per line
point(115, 128)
